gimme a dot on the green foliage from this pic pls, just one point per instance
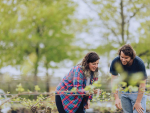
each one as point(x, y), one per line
point(136, 78)
point(37, 32)
point(37, 88)
point(38, 27)
point(19, 88)
point(46, 102)
point(97, 84)
point(74, 89)
point(142, 47)
point(114, 22)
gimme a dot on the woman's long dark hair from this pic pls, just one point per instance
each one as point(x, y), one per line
point(89, 58)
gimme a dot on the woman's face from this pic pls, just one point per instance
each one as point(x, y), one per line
point(93, 65)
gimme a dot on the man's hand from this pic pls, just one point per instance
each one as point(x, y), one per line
point(118, 103)
point(138, 107)
point(87, 106)
point(137, 104)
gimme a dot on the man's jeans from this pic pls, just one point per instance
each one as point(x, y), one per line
point(128, 100)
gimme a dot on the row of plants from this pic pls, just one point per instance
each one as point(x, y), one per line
point(44, 102)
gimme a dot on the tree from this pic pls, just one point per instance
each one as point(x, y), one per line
point(37, 29)
point(116, 19)
point(142, 46)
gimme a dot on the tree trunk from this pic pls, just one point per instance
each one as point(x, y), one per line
point(47, 79)
point(36, 68)
point(122, 23)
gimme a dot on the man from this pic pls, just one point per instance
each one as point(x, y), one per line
point(133, 66)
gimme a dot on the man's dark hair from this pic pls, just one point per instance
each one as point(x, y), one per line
point(127, 50)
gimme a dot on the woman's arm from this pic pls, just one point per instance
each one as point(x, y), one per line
point(78, 79)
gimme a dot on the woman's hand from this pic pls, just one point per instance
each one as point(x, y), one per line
point(87, 106)
point(97, 91)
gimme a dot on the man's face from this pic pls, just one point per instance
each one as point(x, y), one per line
point(124, 59)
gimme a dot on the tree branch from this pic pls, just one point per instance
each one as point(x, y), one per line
point(137, 10)
point(143, 53)
point(103, 22)
point(128, 25)
point(128, 22)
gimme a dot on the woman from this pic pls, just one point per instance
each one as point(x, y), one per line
point(79, 76)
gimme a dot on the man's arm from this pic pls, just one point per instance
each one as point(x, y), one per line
point(117, 100)
point(141, 91)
